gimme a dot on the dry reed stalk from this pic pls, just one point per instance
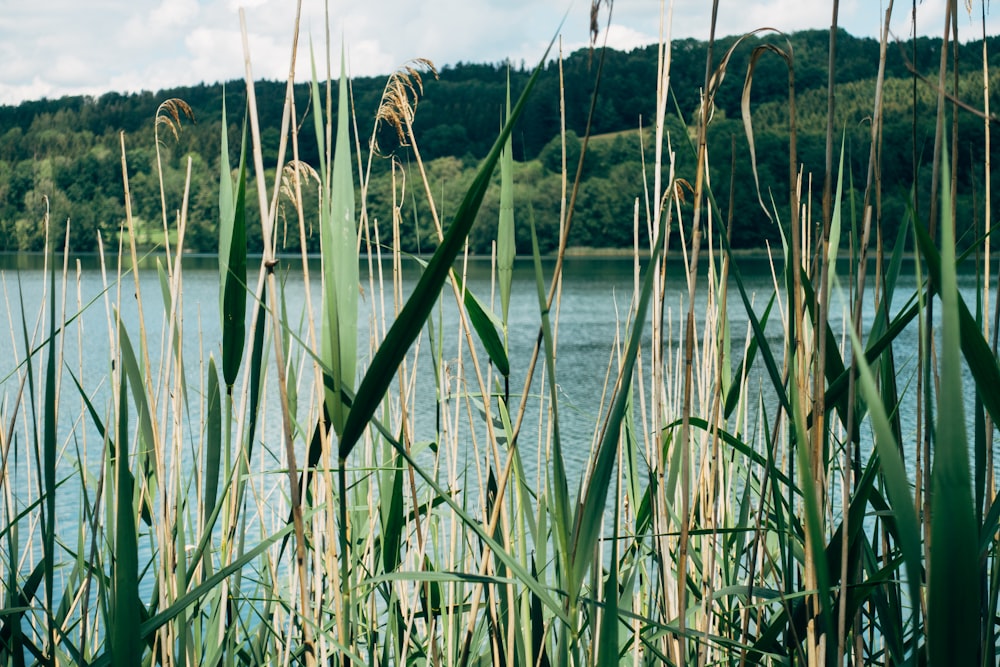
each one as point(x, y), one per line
point(397, 110)
point(927, 352)
point(134, 256)
point(160, 472)
point(657, 206)
point(267, 264)
point(987, 248)
point(707, 103)
point(822, 312)
point(872, 191)
point(172, 372)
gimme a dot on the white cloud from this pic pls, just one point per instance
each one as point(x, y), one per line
point(367, 58)
point(66, 70)
point(930, 21)
point(215, 53)
point(175, 13)
point(35, 89)
point(58, 47)
point(623, 38)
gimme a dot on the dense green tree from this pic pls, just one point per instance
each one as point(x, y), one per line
point(551, 156)
point(66, 153)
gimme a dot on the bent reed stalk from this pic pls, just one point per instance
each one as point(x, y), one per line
point(278, 496)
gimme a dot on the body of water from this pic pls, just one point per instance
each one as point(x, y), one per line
point(594, 310)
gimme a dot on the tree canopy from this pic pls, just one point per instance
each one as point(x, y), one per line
point(66, 153)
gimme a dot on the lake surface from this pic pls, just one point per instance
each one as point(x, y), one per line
point(594, 308)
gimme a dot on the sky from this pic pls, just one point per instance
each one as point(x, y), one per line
point(51, 48)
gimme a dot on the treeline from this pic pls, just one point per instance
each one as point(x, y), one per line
point(66, 154)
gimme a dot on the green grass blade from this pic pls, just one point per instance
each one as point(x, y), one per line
point(18, 600)
point(227, 200)
point(392, 514)
point(256, 366)
point(130, 368)
point(587, 524)
point(834, 249)
point(164, 281)
point(232, 257)
point(563, 518)
point(882, 315)
point(953, 596)
point(49, 459)
point(124, 630)
point(838, 386)
point(733, 395)
point(758, 330)
point(505, 229)
point(213, 440)
point(317, 104)
point(146, 509)
point(338, 249)
point(991, 523)
point(411, 319)
point(894, 473)
point(484, 322)
point(607, 652)
point(346, 237)
point(982, 363)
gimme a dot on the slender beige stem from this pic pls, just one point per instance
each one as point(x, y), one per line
point(267, 272)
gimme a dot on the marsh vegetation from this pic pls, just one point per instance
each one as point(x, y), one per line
point(272, 496)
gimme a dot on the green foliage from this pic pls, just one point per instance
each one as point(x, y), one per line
point(338, 247)
point(66, 150)
point(232, 258)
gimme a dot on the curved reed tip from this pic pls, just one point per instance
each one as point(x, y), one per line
point(169, 113)
point(401, 94)
point(595, 13)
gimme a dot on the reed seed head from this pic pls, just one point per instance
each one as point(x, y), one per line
point(400, 96)
point(169, 113)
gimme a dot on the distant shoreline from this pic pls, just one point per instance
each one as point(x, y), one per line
point(581, 252)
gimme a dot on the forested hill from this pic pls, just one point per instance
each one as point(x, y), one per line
point(68, 150)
